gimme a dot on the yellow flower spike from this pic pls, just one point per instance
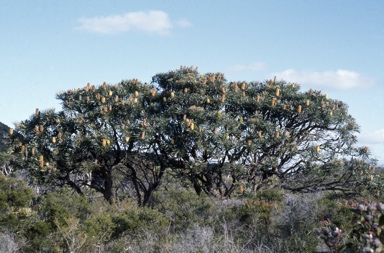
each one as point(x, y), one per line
point(307, 102)
point(173, 142)
point(164, 99)
point(185, 90)
point(53, 139)
point(273, 102)
point(103, 100)
point(330, 113)
point(317, 149)
point(192, 126)
point(259, 134)
point(299, 109)
point(371, 177)
point(41, 164)
point(219, 115)
point(110, 93)
point(135, 100)
point(108, 142)
point(127, 139)
point(226, 136)
point(277, 92)
point(136, 93)
point(104, 142)
point(172, 94)
point(241, 189)
point(367, 150)
point(326, 95)
point(47, 164)
point(243, 86)
point(10, 131)
point(208, 101)
point(241, 119)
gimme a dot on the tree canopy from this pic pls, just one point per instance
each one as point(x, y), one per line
point(214, 135)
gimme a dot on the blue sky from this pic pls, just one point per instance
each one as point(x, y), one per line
point(334, 46)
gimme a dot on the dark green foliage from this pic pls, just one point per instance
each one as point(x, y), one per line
point(15, 202)
point(4, 131)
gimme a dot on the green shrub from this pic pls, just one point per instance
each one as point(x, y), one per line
point(15, 200)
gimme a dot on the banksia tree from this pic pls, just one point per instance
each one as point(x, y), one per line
point(214, 134)
point(88, 146)
point(248, 138)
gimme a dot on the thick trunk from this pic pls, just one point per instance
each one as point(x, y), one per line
point(108, 186)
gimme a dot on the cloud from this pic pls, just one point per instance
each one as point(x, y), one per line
point(339, 79)
point(372, 138)
point(242, 68)
point(151, 22)
point(183, 23)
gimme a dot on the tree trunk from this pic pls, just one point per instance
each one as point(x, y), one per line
point(108, 185)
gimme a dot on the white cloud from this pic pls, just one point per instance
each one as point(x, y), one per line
point(150, 21)
point(339, 79)
point(183, 23)
point(373, 137)
point(242, 68)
